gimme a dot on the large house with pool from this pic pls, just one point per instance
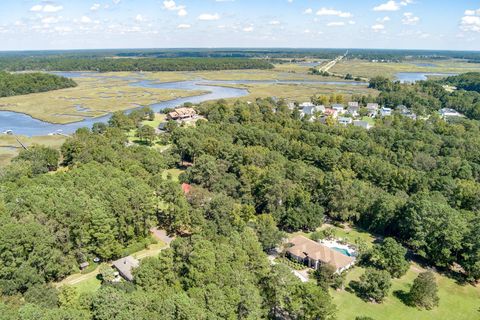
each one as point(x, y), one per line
point(313, 254)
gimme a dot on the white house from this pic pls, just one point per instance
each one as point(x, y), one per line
point(385, 112)
point(345, 121)
point(340, 108)
point(372, 109)
point(311, 110)
point(449, 113)
point(353, 109)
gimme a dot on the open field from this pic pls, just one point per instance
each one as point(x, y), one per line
point(456, 301)
point(93, 97)
point(9, 147)
point(363, 68)
point(299, 92)
point(280, 72)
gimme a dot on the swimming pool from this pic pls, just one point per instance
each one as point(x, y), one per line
point(342, 251)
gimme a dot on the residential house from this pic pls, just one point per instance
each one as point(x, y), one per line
point(330, 113)
point(291, 105)
point(353, 109)
point(311, 110)
point(125, 267)
point(385, 112)
point(314, 254)
point(340, 108)
point(182, 114)
point(450, 113)
point(345, 121)
point(372, 109)
point(404, 111)
point(362, 124)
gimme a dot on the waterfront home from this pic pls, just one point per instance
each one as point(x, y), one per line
point(314, 254)
point(181, 114)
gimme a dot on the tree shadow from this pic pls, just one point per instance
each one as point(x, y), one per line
point(404, 297)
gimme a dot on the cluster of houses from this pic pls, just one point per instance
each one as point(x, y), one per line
point(350, 114)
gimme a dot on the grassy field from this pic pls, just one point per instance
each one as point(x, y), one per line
point(299, 92)
point(280, 72)
point(369, 69)
point(9, 147)
point(456, 301)
point(96, 96)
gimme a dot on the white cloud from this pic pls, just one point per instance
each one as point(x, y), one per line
point(378, 27)
point(336, 24)
point(115, 2)
point(308, 11)
point(140, 18)
point(333, 12)
point(182, 12)
point(392, 5)
point(388, 6)
point(50, 20)
point(248, 29)
point(48, 8)
point(274, 23)
point(85, 19)
point(184, 26)
point(471, 21)
point(384, 19)
point(95, 7)
point(172, 6)
point(410, 19)
point(208, 17)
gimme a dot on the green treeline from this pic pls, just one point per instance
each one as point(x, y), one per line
point(467, 81)
point(130, 64)
point(13, 84)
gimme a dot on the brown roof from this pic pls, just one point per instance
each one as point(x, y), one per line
point(303, 247)
point(182, 113)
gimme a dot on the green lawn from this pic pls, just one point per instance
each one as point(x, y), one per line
point(456, 302)
point(88, 286)
point(175, 173)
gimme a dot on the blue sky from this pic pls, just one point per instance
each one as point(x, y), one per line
point(90, 24)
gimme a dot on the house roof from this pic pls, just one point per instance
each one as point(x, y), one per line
point(186, 188)
point(304, 247)
point(182, 112)
point(125, 266)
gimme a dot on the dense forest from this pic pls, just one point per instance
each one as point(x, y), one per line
point(256, 170)
point(129, 64)
point(13, 84)
point(467, 81)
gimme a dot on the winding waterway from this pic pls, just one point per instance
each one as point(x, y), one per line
point(22, 124)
